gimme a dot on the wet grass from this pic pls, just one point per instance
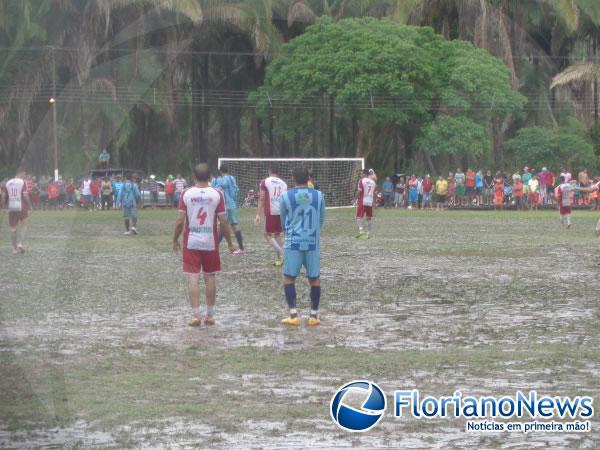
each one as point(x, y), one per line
point(94, 349)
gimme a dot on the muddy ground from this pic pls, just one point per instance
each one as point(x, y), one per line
point(95, 351)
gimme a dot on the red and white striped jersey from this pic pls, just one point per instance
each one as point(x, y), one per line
point(14, 189)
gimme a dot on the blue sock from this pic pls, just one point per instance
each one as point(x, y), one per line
point(315, 297)
point(290, 295)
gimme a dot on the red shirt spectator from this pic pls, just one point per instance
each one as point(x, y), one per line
point(52, 191)
point(95, 188)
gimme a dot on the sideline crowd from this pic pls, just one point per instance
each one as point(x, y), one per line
point(529, 189)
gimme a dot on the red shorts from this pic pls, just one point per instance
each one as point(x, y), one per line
point(273, 224)
point(14, 217)
point(564, 210)
point(201, 261)
point(361, 210)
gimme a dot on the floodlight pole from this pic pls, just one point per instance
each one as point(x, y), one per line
point(53, 101)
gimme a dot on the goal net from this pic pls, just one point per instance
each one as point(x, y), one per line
point(335, 177)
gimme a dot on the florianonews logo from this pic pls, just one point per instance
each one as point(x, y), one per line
point(361, 404)
point(366, 416)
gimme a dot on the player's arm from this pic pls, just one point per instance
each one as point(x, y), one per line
point(225, 230)
point(283, 211)
point(28, 200)
point(4, 199)
point(261, 206)
point(179, 223)
point(322, 211)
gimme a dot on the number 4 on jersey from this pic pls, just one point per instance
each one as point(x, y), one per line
point(202, 215)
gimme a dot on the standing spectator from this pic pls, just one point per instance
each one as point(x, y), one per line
point(498, 191)
point(413, 192)
point(420, 192)
point(43, 186)
point(479, 187)
point(86, 193)
point(388, 192)
point(427, 187)
point(451, 190)
point(400, 191)
point(170, 191)
point(34, 193)
point(488, 186)
point(95, 190)
point(566, 175)
point(460, 179)
point(153, 189)
point(534, 192)
point(62, 194)
point(584, 181)
point(129, 197)
point(53, 193)
point(518, 193)
point(441, 192)
point(526, 177)
point(70, 190)
point(106, 194)
point(117, 184)
point(179, 187)
point(470, 185)
point(104, 159)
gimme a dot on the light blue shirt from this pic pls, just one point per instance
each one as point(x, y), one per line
point(230, 189)
point(302, 213)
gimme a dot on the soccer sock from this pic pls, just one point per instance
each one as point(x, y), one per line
point(369, 225)
point(196, 312)
point(238, 236)
point(273, 243)
point(360, 225)
point(569, 220)
point(127, 224)
point(13, 237)
point(210, 310)
point(290, 297)
point(134, 221)
point(315, 298)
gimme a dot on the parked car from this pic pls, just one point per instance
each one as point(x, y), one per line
point(147, 195)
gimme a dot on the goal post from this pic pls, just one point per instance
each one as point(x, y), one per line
point(335, 177)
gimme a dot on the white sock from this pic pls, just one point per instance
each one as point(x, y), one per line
point(196, 312)
point(369, 225)
point(273, 243)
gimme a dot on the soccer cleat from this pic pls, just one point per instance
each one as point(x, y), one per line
point(238, 252)
point(127, 233)
point(359, 235)
point(15, 251)
point(195, 322)
point(209, 320)
point(278, 263)
point(313, 321)
point(293, 321)
point(134, 230)
point(20, 248)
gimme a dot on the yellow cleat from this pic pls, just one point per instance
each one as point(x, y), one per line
point(278, 263)
point(293, 321)
point(195, 322)
point(313, 321)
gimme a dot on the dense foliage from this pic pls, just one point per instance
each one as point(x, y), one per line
point(162, 83)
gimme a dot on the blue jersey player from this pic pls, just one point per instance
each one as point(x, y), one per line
point(302, 212)
point(226, 183)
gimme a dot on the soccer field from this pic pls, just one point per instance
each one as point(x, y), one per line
point(95, 351)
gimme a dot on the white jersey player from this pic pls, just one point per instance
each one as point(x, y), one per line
point(16, 199)
point(271, 190)
point(366, 200)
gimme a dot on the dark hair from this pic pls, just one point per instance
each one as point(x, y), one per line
point(223, 168)
point(201, 172)
point(365, 171)
point(301, 175)
point(563, 179)
point(127, 176)
point(274, 168)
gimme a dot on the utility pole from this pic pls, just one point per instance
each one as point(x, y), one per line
point(53, 102)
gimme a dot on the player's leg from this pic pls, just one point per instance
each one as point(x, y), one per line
point(360, 214)
point(13, 232)
point(232, 219)
point(273, 242)
point(126, 220)
point(312, 262)
point(133, 215)
point(291, 270)
point(21, 233)
point(211, 293)
point(369, 211)
point(194, 298)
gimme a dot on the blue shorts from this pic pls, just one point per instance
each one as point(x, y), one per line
point(232, 216)
point(293, 260)
point(129, 212)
